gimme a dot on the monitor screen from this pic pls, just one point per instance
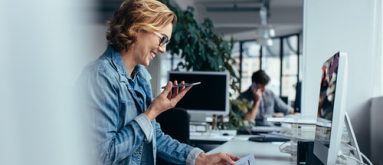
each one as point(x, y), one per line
point(211, 96)
point(330, 113)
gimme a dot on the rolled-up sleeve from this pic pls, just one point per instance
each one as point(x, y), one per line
point(172, 150)
point(192, 157)
point(146, 126)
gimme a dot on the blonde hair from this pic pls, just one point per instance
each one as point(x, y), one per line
point(135, 15)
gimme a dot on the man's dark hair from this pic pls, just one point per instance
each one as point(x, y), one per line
point(260, 77)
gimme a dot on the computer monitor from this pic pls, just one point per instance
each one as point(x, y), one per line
point(331, 109)
point(210, 97)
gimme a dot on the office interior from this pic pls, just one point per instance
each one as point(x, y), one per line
point(43, 53)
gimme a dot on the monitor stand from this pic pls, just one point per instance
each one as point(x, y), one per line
point(350, 139)
point(197, 117)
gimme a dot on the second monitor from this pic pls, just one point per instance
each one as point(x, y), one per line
point(210, 97)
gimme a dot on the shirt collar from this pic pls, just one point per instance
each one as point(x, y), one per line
point(120, 65)
point(116, 60)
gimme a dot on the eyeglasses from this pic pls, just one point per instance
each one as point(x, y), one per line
point(164, 40)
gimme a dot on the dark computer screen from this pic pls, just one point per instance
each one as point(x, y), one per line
point(210, 95)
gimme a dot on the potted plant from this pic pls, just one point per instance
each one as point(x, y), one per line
point(200, 47)
point(204, 50)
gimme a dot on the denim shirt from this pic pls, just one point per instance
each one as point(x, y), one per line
point(120, 130)
point(269, 104)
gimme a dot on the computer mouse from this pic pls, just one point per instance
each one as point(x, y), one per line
point(225, 134)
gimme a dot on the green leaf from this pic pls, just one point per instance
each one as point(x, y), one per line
point(200, 46)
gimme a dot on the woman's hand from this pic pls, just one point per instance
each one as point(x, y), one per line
point(216, 159)
point(167, 99)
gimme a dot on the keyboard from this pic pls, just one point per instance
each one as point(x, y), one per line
point(213, 135)
point(259, 130)
point(268, 138)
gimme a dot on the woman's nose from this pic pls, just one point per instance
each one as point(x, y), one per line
point(162, 48)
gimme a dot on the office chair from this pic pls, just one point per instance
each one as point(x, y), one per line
point(297, 104)
point(175, 123)
point(285, 99)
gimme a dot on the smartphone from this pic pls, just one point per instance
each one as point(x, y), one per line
point(186, 85)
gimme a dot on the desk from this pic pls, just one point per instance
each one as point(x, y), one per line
point(213, 135)
point(211, 139)
point(265, 153)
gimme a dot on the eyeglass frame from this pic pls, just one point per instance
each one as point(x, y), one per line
point(164, 40)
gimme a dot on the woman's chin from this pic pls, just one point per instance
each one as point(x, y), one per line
point(146, 63)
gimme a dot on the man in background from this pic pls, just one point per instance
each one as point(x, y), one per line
point(263, 102)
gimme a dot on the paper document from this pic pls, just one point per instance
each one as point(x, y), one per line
point(247, 160)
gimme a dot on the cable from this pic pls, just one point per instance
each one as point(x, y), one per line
point(355, 159)
point(283, 146)
point(365, 157)
point(350, 146)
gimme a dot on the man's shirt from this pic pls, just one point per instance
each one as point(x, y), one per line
point(269, 104)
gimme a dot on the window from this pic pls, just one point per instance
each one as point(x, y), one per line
point(254, 57)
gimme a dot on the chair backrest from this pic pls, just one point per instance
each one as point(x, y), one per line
point(297, 104)
point(285, 99)
point(175, 123)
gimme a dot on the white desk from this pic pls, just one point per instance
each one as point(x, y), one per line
point(213, 135)
point(265, 153)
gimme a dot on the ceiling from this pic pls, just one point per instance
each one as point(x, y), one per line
point(241, 19)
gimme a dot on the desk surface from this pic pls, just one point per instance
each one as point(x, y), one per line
point(213, 135)
point(265, 153)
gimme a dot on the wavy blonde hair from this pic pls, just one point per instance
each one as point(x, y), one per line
point(135, 15)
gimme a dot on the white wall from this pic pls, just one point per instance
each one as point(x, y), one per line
point(378, 88)
point(42, 44)
point(342, 25)
point(97, 42)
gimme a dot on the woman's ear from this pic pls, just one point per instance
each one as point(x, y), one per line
point(138, 33)
point(134, 32)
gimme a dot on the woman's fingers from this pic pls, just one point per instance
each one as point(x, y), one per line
point(227, 158)
point(180, 95)
point(233, 157)
point(168, 90)
point(175, 89)
point(174, 94)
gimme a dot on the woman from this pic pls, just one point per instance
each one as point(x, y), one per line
point(119, 94)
